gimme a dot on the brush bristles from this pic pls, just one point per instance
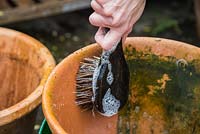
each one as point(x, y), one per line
point(84, 83)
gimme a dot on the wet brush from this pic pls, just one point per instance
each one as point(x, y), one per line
point(103, 82)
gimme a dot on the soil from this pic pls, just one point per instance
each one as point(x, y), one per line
point(65, 33)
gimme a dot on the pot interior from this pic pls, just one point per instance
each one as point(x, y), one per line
point(164, 94)
point(164, 91)
point(19, 70)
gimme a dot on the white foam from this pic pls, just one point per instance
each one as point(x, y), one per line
point(110, 104)
point(181, 63)
point(94, 81)
point(110, 78)
point(104, 60)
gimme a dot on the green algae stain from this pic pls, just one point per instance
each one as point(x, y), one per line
point(164, 96)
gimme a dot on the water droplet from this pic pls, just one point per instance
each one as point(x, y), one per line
point(137, 109)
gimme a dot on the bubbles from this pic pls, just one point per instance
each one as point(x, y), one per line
point(182, 63)
point(137, 109)
point(110, 104)
point(110, 78)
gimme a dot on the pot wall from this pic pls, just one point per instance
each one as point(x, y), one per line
point(61, 112)
point(25, 66)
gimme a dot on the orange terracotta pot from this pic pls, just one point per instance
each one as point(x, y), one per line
point(24, 3)
point(60, 110)
point(25, 66)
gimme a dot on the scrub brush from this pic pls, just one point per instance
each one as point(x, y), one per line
point(103, 82)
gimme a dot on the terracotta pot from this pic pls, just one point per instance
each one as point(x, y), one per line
point(25, 66)
point(25, 3)
point(60, 110)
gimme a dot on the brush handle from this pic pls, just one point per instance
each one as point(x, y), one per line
point(106, 30)
point(111, 81)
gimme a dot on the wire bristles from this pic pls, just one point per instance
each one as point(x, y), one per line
point(84, 82)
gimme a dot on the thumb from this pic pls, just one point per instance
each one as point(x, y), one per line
point(109, 39)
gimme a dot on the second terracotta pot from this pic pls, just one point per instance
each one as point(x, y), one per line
point(25, 66)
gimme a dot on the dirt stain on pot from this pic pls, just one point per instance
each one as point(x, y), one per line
point(164, 96)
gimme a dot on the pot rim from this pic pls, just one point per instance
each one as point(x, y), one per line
point(34, 99)
point(46, 97)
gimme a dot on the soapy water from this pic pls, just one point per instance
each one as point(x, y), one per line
point(109, 103)
point(181, 63)
point(110, 78)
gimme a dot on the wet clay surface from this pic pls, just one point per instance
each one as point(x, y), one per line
point(71, 117)
point(159, 101)
point(18, 79)
point(164, 88)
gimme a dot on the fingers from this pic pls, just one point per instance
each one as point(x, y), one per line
point(126, 35)
point(98, 8)
point(107, 40)
point(99, 20)
point(119, 18)
point(118, 15)
point(102, 2)
point(99, 36)
point(109, 9)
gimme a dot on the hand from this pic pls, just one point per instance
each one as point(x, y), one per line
point(118, 15)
